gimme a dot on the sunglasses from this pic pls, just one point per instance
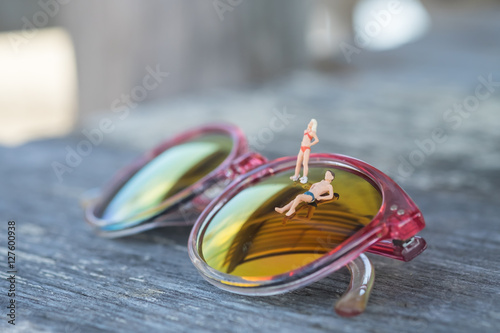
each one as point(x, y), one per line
point(239, 242)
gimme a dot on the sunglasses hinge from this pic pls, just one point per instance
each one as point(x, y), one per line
point(403, 243)
point(405, 226)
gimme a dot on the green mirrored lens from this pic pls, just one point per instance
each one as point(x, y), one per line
point(247, 237)
point(170, 172)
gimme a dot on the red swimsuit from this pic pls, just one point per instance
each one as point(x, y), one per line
point(304, 148)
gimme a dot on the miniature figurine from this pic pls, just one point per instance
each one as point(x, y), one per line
point(305, 151)
point(311, 208)
point(315, 193)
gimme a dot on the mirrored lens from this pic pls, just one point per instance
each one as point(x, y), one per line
point(247, 237)
point(169, 173)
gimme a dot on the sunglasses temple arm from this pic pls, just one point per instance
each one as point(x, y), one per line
point(354, 300)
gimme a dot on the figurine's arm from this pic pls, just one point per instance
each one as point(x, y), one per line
point(327, 197)
point(316, 140)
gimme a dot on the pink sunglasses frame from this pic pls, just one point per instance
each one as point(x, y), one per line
point(398, 219)
point(391, 233)
point(238, 162)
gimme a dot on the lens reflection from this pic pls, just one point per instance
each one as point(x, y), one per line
point(247, 237)
point(170, 172)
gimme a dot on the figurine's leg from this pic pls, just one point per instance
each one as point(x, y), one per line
point(284, 208)
point(300, 198)
point(306, 162)
point(300, 157)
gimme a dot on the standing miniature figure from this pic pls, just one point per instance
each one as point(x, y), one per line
point(315, 193)
point(305, 151)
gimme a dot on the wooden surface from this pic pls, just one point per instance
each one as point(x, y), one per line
point(69, 280)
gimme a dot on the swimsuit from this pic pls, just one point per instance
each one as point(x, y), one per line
point(312, 196)
point(304, 148)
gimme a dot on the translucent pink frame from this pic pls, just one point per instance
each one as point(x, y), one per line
point(391, 233)
point(194, 197)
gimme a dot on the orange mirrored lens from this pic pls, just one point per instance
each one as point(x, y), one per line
point(247, 237)
point(167, 174)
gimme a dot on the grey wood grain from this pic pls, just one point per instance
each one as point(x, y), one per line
point(72, 281)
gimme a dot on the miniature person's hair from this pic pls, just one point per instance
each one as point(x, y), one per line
point(330, 171)
point(315, 125)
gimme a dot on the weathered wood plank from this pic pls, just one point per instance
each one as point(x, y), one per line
point(72, 281)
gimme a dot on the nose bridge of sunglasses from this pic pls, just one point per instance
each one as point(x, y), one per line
point(245, 163)
point(238, 167)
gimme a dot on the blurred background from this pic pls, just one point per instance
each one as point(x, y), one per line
point(63, 61)
point(381, 73)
